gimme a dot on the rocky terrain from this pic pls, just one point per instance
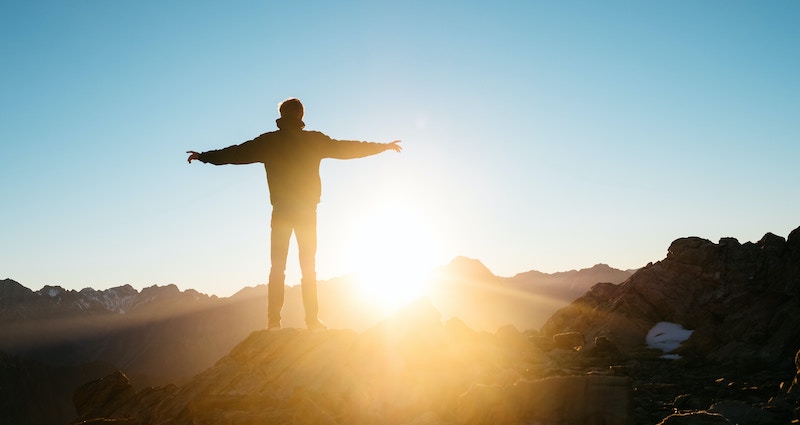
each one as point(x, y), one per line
point(590, 363)
point(740, 300)
point(414, 369)
point(53, 340)
point(410, 369)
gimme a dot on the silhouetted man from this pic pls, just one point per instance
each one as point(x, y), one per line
point(291, 157)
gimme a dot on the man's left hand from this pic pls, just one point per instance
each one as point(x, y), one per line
point(394, 146)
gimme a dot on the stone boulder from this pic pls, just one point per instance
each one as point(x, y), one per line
point(695, 418)
point(561, 400)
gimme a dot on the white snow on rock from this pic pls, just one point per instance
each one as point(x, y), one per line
point(667, 337)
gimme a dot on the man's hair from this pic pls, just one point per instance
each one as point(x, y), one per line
point(291, 108)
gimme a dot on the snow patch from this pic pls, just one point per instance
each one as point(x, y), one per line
point(50, 291)
point(667, 337)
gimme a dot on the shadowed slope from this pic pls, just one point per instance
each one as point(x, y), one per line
point(409, 369)
point(741, 300)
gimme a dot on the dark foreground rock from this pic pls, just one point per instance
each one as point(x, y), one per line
point(740, 300)
point(413, 369)
point(409, 369)
point(589, 364)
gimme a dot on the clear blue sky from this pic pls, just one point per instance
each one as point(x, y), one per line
point(538, 135)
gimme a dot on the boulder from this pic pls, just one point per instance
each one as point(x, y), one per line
point(695, 418)
point(106, 394)
point(743, 413)
point(569, 340)
point(563, 400)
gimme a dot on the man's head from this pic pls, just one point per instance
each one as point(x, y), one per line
point(291, 108)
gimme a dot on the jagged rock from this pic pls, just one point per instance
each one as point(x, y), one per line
point(689, 402)
point(743, 413)
point(604, 348)
point(161, 334)
point(695, 418)
point(740, 300)
point(795, 387)
point(569, 340)
point(94, 398)
point(408, 369)
point(563, 400)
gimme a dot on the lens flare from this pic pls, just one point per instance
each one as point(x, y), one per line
point(393, 254)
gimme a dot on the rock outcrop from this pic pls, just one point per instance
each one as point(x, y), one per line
point(162, 335)
point(740, 300)
point(410, 369)
point(733, 305)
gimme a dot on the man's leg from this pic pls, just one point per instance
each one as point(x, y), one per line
point(279, 249)
point(306, 234)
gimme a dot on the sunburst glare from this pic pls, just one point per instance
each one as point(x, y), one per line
point(393, 254)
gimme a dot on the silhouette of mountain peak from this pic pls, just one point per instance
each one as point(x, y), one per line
point(12, 292)
point(466, 267)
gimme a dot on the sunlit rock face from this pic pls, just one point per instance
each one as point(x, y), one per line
point(411, 368)
point(741, 301)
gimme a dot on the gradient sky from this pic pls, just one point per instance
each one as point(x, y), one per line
point(537, 135)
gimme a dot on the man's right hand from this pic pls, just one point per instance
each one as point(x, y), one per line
point(193, 156)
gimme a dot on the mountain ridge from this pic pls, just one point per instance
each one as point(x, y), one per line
point(610, 318)
point(461, 264)
point(740, 300)
point(162, 335)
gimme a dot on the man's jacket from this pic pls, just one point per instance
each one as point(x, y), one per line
point(291, 159)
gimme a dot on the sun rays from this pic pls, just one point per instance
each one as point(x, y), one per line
point(393, 254)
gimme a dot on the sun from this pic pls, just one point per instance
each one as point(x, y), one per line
point(393, 254)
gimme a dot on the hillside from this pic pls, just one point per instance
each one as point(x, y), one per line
point(590, 364)
point(54, 339)
point(410, 369)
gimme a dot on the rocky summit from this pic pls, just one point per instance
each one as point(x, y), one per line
point(410, 369)
point(709, 335)
point(53, 340)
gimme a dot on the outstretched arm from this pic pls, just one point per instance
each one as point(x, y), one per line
point(348, 149)
point(246, 153)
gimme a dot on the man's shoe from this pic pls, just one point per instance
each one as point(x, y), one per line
point(316, 326)
point(274, 327)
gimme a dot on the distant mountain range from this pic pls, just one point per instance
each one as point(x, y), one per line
point(468, 290)
point(147, 332)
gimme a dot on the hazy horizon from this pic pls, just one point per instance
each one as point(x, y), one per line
point(537, 136)
point(252, 285)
